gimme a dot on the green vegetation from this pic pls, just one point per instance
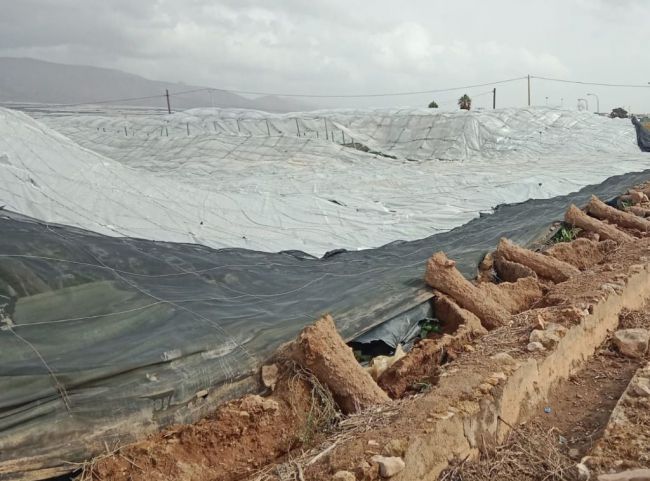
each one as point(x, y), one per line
point(565, 234)
point(465, 102)
point(421, 386)
point(361, 357)
point(429, 326)
point(433, 105)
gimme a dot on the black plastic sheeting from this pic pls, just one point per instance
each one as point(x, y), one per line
point(104, 339)
point(642, 133)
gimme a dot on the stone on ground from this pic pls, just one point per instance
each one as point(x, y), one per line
point(632, 342)
point(633, 475)
point(344, 476)
point(389, 466)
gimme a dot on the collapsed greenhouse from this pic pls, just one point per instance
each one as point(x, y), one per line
point(148, 259)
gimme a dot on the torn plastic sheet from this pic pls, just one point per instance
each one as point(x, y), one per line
point(401, 329)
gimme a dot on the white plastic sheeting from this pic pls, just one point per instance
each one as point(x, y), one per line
point(232, 178)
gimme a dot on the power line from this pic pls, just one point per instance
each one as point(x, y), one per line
point(590, 83)
point(385, 94)
point(391, 94)
point(128, 99)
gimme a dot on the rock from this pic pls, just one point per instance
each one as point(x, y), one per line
point(255, 403)
point(485, 388)
point(367, 472)
point(535, 346)
point(270, 376)
point(573, 314)
point(389, 466)
point(548, 337)
point(540, 324)
point(583, 472)
point(633, 475)
point(379, 364)
point(495, 378)
point(373, 443)
point(505, 360)
point(641, 388)
point(632, 342)
point(344, 476)
point(201, 394)
point(395, 448)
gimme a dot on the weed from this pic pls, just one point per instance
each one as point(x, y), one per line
point(429, 326)
point(421, 386)
point(565, 234)
point(361, 357)
point(323, 413)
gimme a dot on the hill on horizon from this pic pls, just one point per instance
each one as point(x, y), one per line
point(28, 80)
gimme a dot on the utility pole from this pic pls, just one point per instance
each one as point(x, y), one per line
point(597, 101)
point(494, 98)
point(169, 108)
point(529, 90)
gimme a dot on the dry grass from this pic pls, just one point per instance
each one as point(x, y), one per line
point(346, 428)
point(323, 412)
point(528, 454)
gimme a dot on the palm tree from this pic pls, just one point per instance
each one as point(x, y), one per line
point(465, 103)
point(433, 105)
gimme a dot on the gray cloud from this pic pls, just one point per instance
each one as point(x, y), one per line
point(336, 46)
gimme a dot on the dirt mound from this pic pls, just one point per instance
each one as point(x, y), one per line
point(320, 349)
point(581, 253)
point(544, 266)
point(514, 296)
point(441, 274)
point(577, 218)
point(239, 438)
point(509, 271)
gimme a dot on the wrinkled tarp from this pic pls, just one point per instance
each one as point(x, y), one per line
point(104, 339)
point(642, 133)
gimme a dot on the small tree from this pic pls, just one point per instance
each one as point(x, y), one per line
point(465, 103)
point(619, 113)
point(433, 105)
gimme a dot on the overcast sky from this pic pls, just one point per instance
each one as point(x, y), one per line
point(349, 47)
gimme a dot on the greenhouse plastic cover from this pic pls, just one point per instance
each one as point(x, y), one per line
point(105, 337)
point(643, 133)
point(239, 186)
point(110, 338)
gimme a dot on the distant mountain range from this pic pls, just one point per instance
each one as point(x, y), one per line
point(27, 80)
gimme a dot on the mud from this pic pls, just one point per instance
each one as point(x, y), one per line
point(577, 218)
point(544, 266)
point(509, 271)
point(581, 253)
point(442, 275)
point(239, 438)
point(514, 296)
point(320, 349)
point(602, 211)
